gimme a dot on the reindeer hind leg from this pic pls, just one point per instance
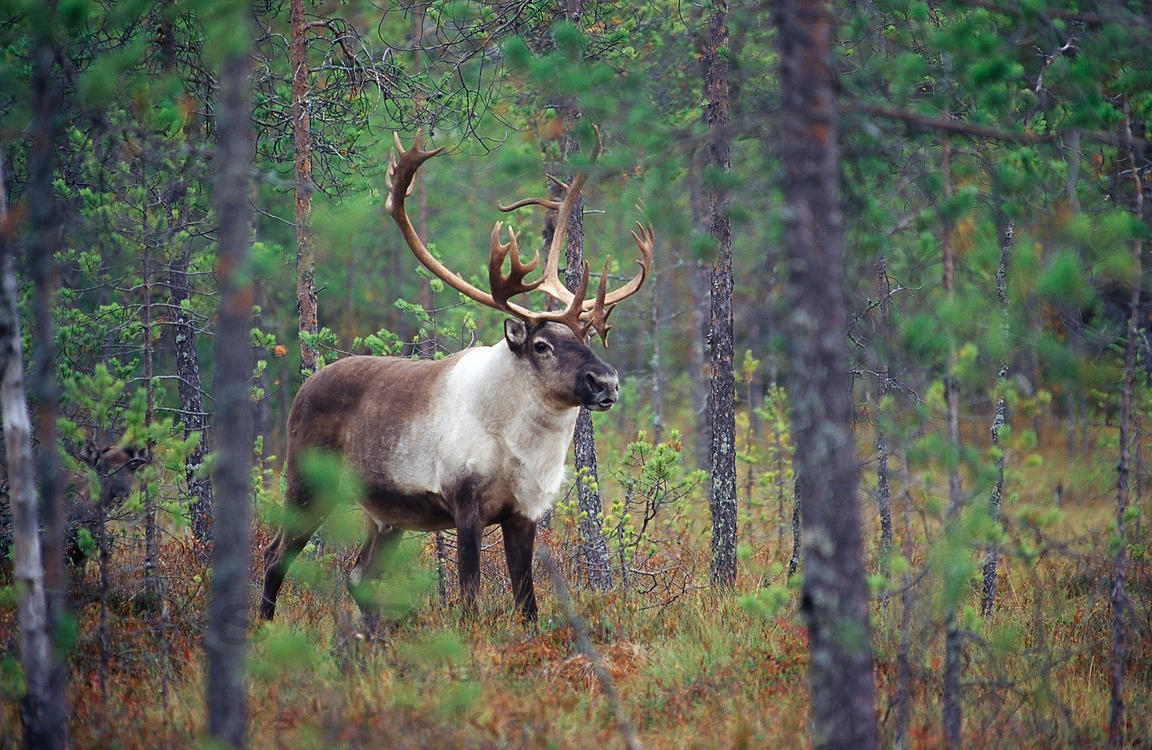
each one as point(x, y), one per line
point(370, 562)
point(300, 521)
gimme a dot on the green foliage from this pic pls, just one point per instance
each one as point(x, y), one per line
point(280, 650)
point(1064, 282)
point(1049, 83)
point(651, 510)
point(12, 686)
point(768, 603)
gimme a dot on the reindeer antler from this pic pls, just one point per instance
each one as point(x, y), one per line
point(579, 314)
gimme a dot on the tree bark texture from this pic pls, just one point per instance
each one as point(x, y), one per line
point(1117, 595)
point(306, 304)
point(999, 419)
point(225, 640)
point(699, 278)
point(883, 486)
point(951, 715)
point(594, 561)
point(657, 361)
point(51, 724)
point(797, 539)
point(835, 596)
point(28, 566)
point(151, 552)
point(722, 385)
point(190, 385)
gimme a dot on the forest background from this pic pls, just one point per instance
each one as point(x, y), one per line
point(992, 159)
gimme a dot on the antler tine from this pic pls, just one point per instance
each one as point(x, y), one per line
point(646, 242)
point(402, 166)
point(401, 171)
point(505, 287)
point(574, 309)
point(580, 314)
point(546, 203)
point(597, 316)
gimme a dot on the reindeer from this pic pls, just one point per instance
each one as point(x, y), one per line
point(473, 440)
point(116, 468)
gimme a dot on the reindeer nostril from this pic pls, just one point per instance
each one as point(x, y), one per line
point(602, 389)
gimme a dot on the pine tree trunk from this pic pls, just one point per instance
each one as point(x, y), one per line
point(883, 487)
point(225, 639)
point(657, 361)
point(903, 650)
point(794, 560)
point(999, 419)
point(306, 305)
point(42, 245)
point(191, 386)
point(1118, 596)
point(595, 564)
point(151, 553)
point(189, 383)
point(953, 638)
point(722, 384)
point(835, 601)
point(596, 568)
point(699, 276)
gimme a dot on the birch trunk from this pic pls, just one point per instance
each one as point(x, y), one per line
point(28, 567)
point(52, 723)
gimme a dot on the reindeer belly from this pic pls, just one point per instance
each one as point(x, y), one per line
point(410, 511)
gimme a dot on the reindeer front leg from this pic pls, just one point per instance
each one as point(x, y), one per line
point(519, 541)
point(469, 532)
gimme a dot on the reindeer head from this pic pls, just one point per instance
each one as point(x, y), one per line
point(116, 467)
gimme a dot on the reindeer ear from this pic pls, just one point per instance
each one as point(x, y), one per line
point(515, 333)
point(89, 453)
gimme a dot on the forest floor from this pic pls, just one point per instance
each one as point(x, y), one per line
point(688, 668)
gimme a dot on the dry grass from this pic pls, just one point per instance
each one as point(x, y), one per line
point(697, 669)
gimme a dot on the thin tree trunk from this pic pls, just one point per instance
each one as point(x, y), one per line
point(835, 599)
point(1118, 596)
point(794, 560)
point(999, 419)
point(903, 655)
point(225, 639)
point(883, 487)
point(306, 304)
point(699, 275)
point(42, 245)
point(778, 448)
point(597, 570)
point(151, 585)
point(154, 592)
point(189, 383)
point(953, 638)
point(657, 361)
point(722, 390)
point(593, 546)
point(36, 706)
point(190, 386)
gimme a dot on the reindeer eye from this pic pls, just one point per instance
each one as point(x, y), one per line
point(542, 347)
